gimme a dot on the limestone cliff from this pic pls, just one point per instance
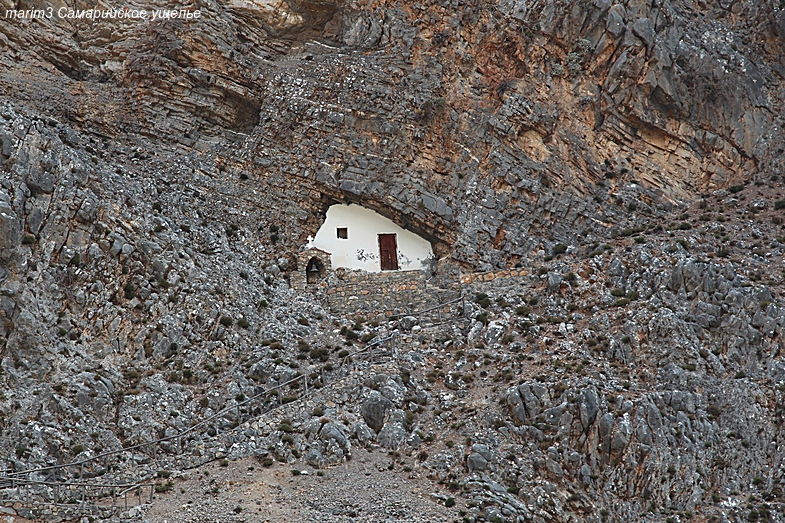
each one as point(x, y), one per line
point(474, 123)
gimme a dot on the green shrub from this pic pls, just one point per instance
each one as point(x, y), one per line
point(320, 354)
point(559, 248)
point(482, 300)
point(226, 321)
point(164, 487)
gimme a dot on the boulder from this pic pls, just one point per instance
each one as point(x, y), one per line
point(375, 409)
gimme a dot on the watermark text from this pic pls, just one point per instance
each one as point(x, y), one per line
point(102, 14)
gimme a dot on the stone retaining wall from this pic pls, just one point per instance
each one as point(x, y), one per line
point(392, 292)
point(44, 510)
point(395, 292)
point(477, 277)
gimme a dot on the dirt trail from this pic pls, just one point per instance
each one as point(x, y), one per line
point(361, 490)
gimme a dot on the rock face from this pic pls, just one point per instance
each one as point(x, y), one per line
point(374, 411)
point(158, 177)
point(477, 126)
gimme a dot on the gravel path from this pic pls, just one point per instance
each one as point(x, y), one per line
point(360, 491)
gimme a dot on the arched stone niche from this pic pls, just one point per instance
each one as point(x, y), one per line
point(313, 267)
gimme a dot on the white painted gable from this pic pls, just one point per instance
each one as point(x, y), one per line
point(360, 248)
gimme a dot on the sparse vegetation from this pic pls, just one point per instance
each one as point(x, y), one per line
point(207, 331)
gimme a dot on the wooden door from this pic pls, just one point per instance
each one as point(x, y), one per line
point(388, 252)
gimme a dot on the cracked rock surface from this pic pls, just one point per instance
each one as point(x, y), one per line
point(623, 159)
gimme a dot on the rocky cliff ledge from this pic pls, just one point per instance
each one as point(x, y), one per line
point(476, 124)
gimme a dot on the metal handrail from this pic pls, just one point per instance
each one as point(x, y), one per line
point(417, 313)
point(16, 475)
point(22, 481)
point(156, 441)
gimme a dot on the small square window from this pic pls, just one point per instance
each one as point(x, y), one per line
point(342, 232)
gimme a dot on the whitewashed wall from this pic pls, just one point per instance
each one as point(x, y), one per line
point(361, 249)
